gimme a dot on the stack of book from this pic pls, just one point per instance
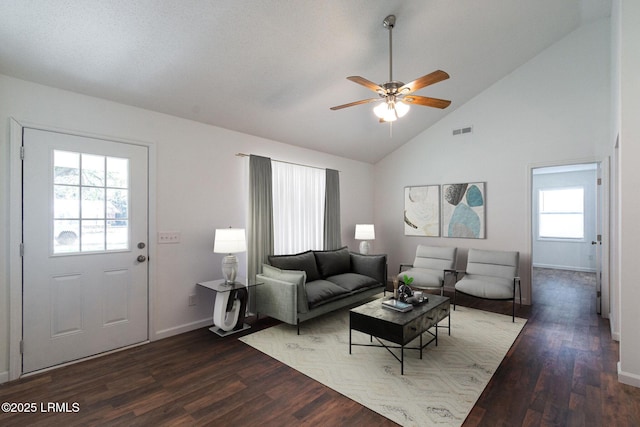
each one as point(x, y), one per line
point(397, 305)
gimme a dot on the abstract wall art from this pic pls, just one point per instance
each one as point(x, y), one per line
point(422, 211)
point(463, 210)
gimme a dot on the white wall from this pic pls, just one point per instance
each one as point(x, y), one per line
point(629, 130)
point(200, 186)
point(566, 255)
point(555, 108)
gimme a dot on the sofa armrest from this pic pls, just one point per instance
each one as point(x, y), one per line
point(374, 266)
point(277, 298)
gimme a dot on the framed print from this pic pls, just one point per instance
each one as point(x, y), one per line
point(422, 211)
point(463, 210)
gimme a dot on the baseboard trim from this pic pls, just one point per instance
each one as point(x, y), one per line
point(628, 378)
point(615, 336)
point(4, 377)
point(187, 327)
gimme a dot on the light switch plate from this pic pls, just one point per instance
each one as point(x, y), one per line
point(169, 237)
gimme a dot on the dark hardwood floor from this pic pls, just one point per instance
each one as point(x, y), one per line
point(561, 371)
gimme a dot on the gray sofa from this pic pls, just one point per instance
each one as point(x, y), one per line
point(295, 288)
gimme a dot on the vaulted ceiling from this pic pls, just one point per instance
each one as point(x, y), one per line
point(272, 68)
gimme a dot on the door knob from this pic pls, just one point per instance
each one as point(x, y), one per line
point(141, 258)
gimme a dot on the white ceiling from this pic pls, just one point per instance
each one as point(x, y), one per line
point(272, 68)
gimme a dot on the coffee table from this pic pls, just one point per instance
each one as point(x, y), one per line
point(397, 327)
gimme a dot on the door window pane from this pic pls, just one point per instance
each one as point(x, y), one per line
point(90, 203)
point(66, 167)
point(117, 172)
point(66, 201)
point(117, 204)
point(93, 170)
point(93, 205)
point(93, 236)
point(66, 235)
point(117, 235)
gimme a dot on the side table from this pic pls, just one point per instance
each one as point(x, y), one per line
point(230, 306)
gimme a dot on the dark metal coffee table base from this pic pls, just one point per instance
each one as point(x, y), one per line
point(399, 328)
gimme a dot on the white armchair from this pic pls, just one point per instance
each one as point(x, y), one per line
point(430, 266)
point(491, 275)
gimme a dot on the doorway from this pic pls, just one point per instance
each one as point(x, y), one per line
point(567, 222)
point(85, 227)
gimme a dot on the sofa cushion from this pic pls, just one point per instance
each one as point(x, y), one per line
point(353, 281)
point(322, 291)
point(333, 262)
point(369, 265)
point(303, 261)
point(291, 276)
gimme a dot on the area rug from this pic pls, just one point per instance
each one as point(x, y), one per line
point(440, 389)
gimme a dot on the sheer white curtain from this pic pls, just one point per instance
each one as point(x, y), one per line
point(298, 208)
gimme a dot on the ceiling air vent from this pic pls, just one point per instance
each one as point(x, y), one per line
point(463, 131)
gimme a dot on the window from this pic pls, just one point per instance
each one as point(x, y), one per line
point(298, 208)
point(90, 203)
point(561, 213)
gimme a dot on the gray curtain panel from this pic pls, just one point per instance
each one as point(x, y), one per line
point(260, 227)
point(332, 239)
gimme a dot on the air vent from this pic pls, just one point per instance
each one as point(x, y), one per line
point(463, 131)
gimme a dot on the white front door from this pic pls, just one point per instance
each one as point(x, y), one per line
point(85, 215)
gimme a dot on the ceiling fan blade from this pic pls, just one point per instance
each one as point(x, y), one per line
point(419, 83)
point(351, 104)
point(366, 83)
point(426, 101)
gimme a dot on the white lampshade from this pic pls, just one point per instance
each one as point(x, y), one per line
point(229, 241)
point(365, 232)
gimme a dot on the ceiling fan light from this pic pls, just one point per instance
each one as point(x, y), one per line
point(402, 108)
point(388, 113)
point(381, 110)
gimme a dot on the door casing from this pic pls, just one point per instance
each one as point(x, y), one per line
point(604, 210)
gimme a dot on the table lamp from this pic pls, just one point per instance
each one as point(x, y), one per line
point(365, 232)
point(229, 241)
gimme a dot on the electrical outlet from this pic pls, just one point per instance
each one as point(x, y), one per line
point(169, 237)
point(192, 300)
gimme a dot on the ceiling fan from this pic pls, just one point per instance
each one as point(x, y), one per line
point(396, 95)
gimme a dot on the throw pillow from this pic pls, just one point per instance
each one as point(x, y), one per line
point(370, 265)
point(302, 261)
point(333, 262)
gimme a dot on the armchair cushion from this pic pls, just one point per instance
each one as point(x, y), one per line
point(429, 266)
point(489, 287)
point(423, 277)
point(333, 262)
point(493, 263)
point(435, 257)
point(490, 274)
point(303, 261)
